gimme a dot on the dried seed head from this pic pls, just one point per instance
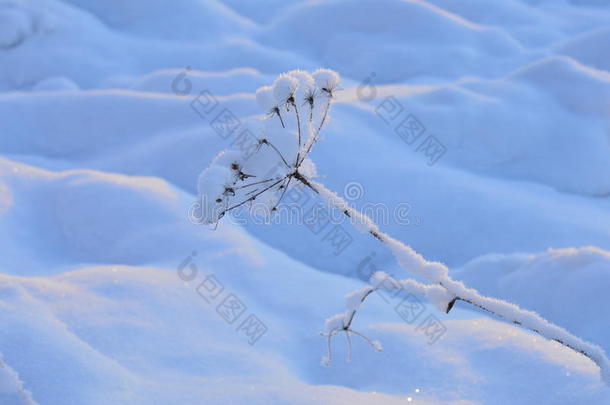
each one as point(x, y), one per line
point(306, 85)
point(265, 99)
point(284, 88)
point(327, 80)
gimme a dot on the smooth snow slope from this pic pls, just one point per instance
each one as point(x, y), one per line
point(100, 150)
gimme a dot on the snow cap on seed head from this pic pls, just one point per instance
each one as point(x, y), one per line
point(284, 88)
point(229, 159)
point(211, 187)
point(215, 182)
point(327, 80)
point(265, 99)
point(306, 84)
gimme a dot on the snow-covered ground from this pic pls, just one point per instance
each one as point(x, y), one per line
point(110, 295)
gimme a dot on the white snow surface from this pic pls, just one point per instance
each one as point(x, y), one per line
point(107, 112)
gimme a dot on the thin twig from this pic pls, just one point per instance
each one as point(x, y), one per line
point(330, 350)
point(252, 198)
point(296, 111)
point(266, 142)
point(283, 192)
point(253, 184)
point(317, 133)
point(349, 346)
point(351, 318)
point(276, 110)
point(367, 340)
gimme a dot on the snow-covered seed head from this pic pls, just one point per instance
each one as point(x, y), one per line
point(306, 85)
point(213, 181)
point(327, 80)
point(265, 99)
point(215, 185)
point(284, 88)
point(214, 189)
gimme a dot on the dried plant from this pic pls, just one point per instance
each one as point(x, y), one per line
point(297, 108)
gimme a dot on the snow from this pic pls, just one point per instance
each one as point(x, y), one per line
point(437, 273)
point(11, 388)
point(212, 184)
point(284, 87)
point(579, 275)
point(15, 27)
point(326, 79)
point(265, 99)
point(101, 148)
point(306, 84)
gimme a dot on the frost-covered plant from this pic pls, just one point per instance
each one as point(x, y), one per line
point(297, 107)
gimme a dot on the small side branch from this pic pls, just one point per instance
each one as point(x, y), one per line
point(296, 112)
point(276, 111)
point(252, 198)
point(272, 146)
point(437, 274)
point(317, 132)
point(253, 184)
point(285, 188)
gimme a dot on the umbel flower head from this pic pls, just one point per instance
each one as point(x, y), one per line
point(296, 108)
point(284, 88)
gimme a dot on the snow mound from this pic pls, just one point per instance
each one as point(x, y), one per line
point(404, 32)
point(73, 213)
point(176, 20)
point(101, 144)
point(15, 27)
point(12, 391)
point(560, 284)
point(586, 48)
point(544, 122)
point(55, 84)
